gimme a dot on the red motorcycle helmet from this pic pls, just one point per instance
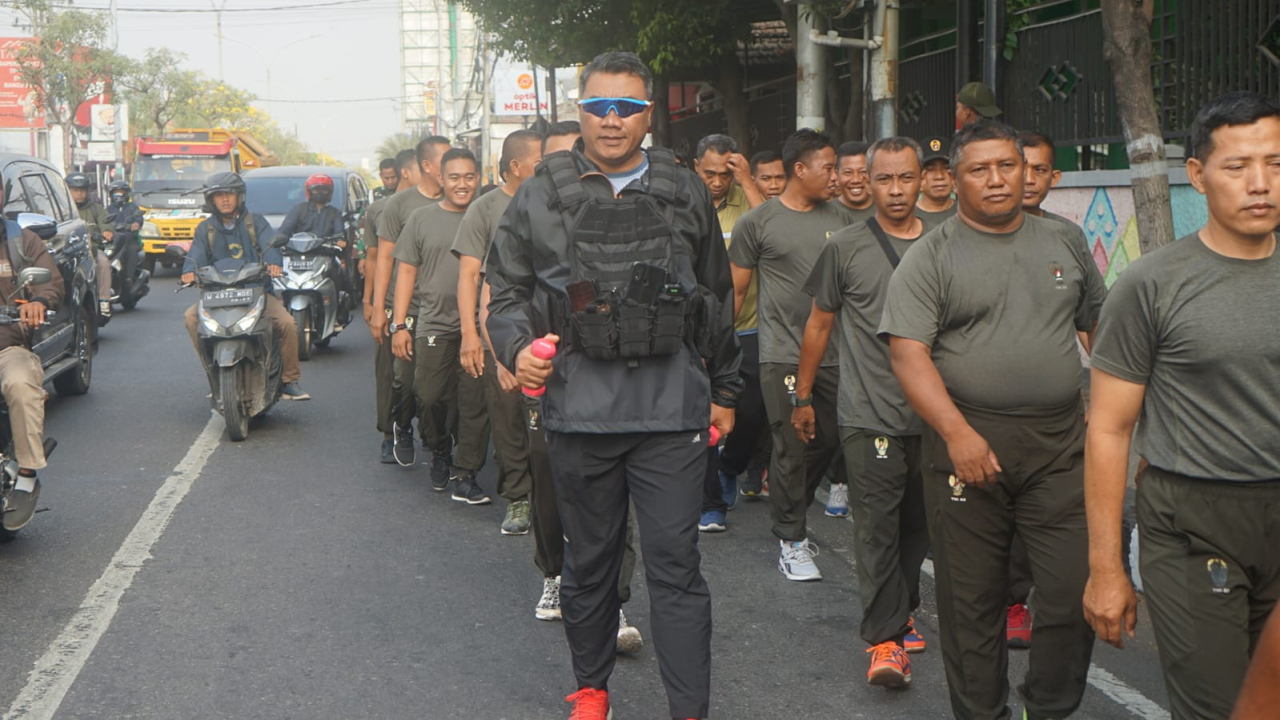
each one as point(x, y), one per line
point(319, 188)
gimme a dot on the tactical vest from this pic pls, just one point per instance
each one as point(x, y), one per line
point(624, 299)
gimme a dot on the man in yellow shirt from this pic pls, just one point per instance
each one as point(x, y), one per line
point(727, 174)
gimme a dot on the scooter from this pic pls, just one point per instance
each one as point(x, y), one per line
point(307, 289)
point(18, 495)
point(127, 291)
point(238, 346)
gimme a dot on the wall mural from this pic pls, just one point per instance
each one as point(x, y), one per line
point(1106, 214)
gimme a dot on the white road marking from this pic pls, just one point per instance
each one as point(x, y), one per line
point(57, 669)
point(1113, 687)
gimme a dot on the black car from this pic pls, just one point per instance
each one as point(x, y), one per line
point(274, 191)
point(36, 196)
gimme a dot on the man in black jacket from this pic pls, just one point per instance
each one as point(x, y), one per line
point(617, 254)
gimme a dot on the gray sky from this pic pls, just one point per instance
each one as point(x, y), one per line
point(353, 55)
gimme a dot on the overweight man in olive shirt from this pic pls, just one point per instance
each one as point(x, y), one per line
point(981, 319)
point(1190, 343)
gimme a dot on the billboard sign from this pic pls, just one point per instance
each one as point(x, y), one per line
point(18, 105)
point(103, 120)
point(514, 92)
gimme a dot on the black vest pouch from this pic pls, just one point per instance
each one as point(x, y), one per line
point(669, 323)
point(595, 331)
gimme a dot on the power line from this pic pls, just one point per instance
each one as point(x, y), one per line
point(273, 8)
point(396, 98)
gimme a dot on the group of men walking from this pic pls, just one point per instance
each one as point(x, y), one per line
point(902, 319)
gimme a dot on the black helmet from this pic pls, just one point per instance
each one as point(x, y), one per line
point(119, 191)
point(78, 181)
point(221, 183)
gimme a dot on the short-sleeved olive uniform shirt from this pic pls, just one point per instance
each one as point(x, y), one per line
point(392, 221)
point(851, 279)
point(1000, 312)
point(854, 216)
point(782, 245)
point(425, 242)
point(1202, 332)
point(480, 222)
point(934, 219)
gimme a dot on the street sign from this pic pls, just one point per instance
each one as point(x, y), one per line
point(102, 151)
point(18, 106)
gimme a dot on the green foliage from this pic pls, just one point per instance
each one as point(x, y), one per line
point(68, 62)
point(391, 145)
point(1015, 23)
point(158, 90)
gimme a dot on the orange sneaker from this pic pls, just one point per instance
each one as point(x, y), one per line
point(889, 666)
point(913, 642)
point(590, 704)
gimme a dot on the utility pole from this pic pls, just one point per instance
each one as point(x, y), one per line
point(120, 110)
point(218, 14)
point(486, 121)
point(992, 37)
point(884, 65)
point(811, 73)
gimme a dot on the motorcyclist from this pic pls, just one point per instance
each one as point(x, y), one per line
point(101, 231)
point(318, 217)
point(231, 231)
point(124, 213)
point(21, 374)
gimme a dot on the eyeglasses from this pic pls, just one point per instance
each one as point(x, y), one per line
point(624, 107)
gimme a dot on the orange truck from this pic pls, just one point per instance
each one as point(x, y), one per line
point(167, 176)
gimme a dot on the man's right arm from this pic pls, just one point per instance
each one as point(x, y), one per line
point(512, 280)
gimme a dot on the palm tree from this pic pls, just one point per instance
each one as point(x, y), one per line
point(393, 144)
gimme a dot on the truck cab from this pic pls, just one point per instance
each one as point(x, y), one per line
point(168, 174)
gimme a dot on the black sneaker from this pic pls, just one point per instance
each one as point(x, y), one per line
point(404, 452)
point(440, 472)
point(388, 452)
point(468, 490)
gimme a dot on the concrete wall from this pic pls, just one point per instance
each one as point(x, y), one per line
point(1102, 203)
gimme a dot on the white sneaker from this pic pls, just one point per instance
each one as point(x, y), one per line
point(796, 561)
point(549, 605)
point(838, 501)
point(629, 640)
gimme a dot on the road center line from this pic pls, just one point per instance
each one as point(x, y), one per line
point(1113, 687)
point(57, 669)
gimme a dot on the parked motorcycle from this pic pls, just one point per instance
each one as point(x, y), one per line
point(307, 289)
point(126, 256)
point(18, 495)
point(239, 348)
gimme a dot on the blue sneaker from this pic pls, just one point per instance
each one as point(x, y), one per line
point(838, 501)
point(729, 489)
point(712, 522)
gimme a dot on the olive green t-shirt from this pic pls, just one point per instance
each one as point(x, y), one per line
point(479, 224)
point(425, 242)
point(371, 222)
point(852, 216)
point(934, 219)
point(1000, 312)
point(782, 245)
point(391, 222)
point(851, 279)
point(1202, 332)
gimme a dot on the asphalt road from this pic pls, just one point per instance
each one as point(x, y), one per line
point(299, 578)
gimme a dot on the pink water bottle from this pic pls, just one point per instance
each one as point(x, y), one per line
point(714, 436)
point(543, 349)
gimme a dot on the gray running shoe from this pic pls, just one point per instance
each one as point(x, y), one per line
point(517, 520)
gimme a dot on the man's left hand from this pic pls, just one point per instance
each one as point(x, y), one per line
point(32, 314)
point(275, 270)
point(135, 227)
point(722, 419)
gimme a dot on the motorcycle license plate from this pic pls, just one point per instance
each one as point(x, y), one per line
point(301, 264)
point(228, 298)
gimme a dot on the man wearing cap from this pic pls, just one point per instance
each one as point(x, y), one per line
point(975, 101)
point(936, 203)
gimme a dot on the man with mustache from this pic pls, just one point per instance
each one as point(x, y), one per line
point(1188, 343)
point(936, 203)
point(981, 320)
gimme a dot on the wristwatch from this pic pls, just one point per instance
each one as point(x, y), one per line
point(801, 402)
point(397, 327)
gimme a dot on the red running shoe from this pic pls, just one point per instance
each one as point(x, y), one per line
point(889, 666)
point(590, 704)
point(913, 642)
point(1018, 631)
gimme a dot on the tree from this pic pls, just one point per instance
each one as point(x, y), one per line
point(217, 104)
point(392, 145)
point(158, 90)
point(66, 62)
point(1126, 26)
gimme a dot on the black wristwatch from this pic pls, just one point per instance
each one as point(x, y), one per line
point(801, 402)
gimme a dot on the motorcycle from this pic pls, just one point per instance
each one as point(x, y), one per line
point(307, 289)
point(18, 495)
point(127, 291)
point(239, 348)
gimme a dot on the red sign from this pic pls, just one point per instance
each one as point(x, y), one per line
point(18, 105)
